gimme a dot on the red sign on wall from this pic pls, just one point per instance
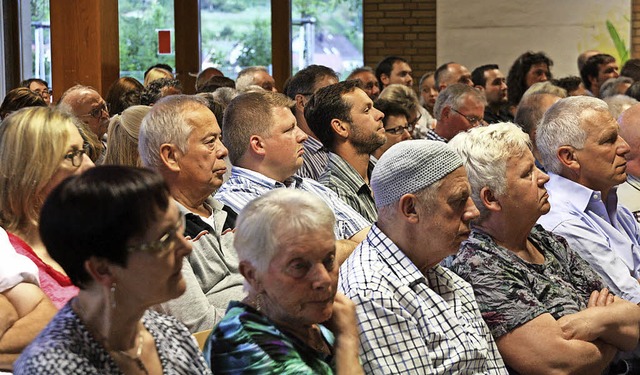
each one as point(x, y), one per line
point(164, 42)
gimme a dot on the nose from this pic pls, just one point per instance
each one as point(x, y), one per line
point(470, 211)
point(375, 90)
point(302, 136)
point(544, 77)
point(543, 178)
point(405, 134)
point(184, 246)
point(222, 150)
point(86, 163)
point(378, 114)
point(321, 277)
point(409, 81)
point(624, 148)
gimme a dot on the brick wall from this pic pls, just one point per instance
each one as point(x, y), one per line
point(406, 29)
point(635, 28)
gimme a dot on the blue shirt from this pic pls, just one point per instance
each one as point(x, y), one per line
point(602, 232)
point(246, 185)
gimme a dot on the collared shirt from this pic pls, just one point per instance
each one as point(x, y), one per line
point(433, 136)
point(246, 185)
point(414, 323)
point(601, 232)
point(511, 291)
point(629, 195)
point(211, 272)
point(503, 115)
point(314, 159)
point(345, 181)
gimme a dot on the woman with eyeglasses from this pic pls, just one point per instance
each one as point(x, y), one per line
point(39, 147)
point(119, 235)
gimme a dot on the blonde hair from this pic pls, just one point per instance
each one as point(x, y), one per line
point(156, 73)
point(32, 144)
point(122, 148)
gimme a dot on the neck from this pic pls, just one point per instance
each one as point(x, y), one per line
point(359, 161)
point(440, 130)
point(515, 238)
point(118, 328)
point(191, 201)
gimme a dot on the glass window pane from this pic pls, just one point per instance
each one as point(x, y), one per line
point(235, 34)
point(40, 34)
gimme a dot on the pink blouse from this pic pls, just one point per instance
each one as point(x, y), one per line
point(55, 285)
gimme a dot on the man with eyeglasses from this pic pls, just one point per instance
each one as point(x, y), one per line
point(350, 127)
point(40, 87)
point(458, 108)
point(300, 88)
point(87, 105)
point(367, 77)
point(396, 125)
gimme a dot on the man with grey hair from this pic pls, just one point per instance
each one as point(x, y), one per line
point(629, 192)
point(255, 76)
point(451, 73)
point(367, 77)
point(180, 139)
point(416, 316)
point(529, 113)
point(265, 148)
point(459, 107)
point(584, 155)
point(615, 86)
point(86, 104)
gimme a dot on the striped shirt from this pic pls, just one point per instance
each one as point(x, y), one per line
point(314, 159)
point(433, 136)
point(415, 323)
point(246, 185)
point(343, 179)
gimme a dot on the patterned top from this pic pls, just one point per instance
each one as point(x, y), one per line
point(66, 347)
point(511, 291)
point(343, 179)
point(433, 136)
point(56, 285)
point(246, 185)
point(314, 159)
point(247, 342)
point(602, 232)
point(414, 323)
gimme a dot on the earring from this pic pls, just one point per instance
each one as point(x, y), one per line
point(259, 302)
point(113, 295)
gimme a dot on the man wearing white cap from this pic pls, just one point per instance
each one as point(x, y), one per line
point(414, 315)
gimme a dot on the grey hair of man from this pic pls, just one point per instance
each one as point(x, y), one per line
point(291, 214)
point(545, 87)
point(530, 111)
point(619, 103)
point(168, 122)
point(484, 151)
point(357, 71)
point(610, 86)
point(454, 96)
point(561, 126)
point(245, 77)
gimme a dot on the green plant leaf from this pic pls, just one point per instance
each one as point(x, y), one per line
point(623, 51)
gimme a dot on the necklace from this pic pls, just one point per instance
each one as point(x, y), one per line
point(136, 358)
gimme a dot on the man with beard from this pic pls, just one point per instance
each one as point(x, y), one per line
point(490, 80)
point(342, 116)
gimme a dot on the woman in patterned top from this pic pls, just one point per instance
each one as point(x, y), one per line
point(544, 304)
point(286, 246)
point(118, 235)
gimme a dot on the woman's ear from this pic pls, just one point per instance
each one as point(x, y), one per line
point(489, 200)
point(100, 270)
point(250, 274)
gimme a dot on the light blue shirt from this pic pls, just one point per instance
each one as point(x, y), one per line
point(604, 233)
point(246, 185)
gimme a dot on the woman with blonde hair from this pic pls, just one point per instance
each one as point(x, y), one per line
point(39, 147)
point(122, 148)
point(156, 73)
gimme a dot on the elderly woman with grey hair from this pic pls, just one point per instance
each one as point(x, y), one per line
point(286, 248)
point(546, 307)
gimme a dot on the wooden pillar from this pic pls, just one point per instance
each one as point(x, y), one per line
point(187, 26)
point(84, 44)
point(281, 41)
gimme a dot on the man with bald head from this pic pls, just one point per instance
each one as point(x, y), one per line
point(629, 192)
point(255, 76)
point(450, 73)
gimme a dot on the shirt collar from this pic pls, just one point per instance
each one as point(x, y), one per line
point(262, 180)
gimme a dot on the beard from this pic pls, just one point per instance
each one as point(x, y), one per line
point(366, 143)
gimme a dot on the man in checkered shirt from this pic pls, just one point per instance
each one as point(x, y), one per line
point(415, 316)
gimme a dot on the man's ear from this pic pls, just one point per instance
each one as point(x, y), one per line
point(341, 128)
point(301, 101)
point(256, 145)
point(408, 206)
point(446, 112)
point(568, 158)
point(489, 200)
point(169, 156)
point(384, 79)
point(100, 270)
point(480, 88)
point(250, 274)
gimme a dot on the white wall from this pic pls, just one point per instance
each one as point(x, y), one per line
point(474, 32)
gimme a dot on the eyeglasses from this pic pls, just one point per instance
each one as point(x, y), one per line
point(473, 120)
point(76, 157)
point(165, 242)
point(97, 111)
point(400, 129)
point(413, 123)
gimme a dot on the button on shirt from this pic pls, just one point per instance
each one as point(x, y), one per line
point(246, 185)
point(603, 233)
point(314, 159)
point(412, 323)
point(343, 179)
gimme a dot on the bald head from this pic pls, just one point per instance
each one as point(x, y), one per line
point(584, 56)
point(630, 131)
point(450, 73)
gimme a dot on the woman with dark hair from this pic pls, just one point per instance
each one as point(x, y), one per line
point(118, 235)
point(19, 98)
point(123, 93)
point(528, 69)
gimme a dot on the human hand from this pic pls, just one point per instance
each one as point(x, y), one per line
point(343, 320)
point(600, 298)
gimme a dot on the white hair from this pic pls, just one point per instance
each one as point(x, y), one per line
point(484, 152)
point(561, 126)
point(453, 96)
point(619, 103)
point(269, 221)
